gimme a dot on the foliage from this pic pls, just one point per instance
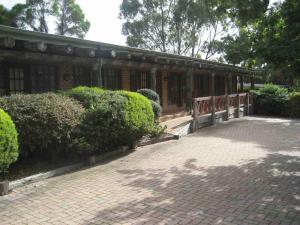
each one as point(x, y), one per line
point(44, 122)
point(150, 94)
point(294, 104)
point(9, 149)
point(36, 15)
point(120, 118)
point(139, 113)
point(271, 41)
point(70, 19)
point(271, 100)
point(174, 26)
point(11, 17)
point(87, 96)
point(157, 109)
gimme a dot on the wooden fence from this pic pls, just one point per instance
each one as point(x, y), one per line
point(208, 110)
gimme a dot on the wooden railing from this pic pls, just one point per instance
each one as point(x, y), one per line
point(212, 105)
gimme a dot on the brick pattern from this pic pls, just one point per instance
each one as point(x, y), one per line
point(244, 171)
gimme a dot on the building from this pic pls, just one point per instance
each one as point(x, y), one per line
point(32, 62)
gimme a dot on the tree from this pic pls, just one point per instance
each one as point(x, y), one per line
point(11, 17)
point(271, 41)
point(188, 27)
point(70, 19)
point(36, 15)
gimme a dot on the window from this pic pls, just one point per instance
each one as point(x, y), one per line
point(176, 89)
point(16, 80)
point(82, 76)
point(111, 79)
point(201, 87)
point(138, 80)
point(219, 85)
point(44, 78)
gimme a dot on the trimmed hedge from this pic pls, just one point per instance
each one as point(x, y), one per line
point(45, 122)
point(9, 149)
point(150, 94)
point(271, 100)
point(294, 104)
point(120, 118)
point(87, 96)
point(139, 114)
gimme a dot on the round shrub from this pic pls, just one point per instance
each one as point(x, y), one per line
point(157, 110)
point(44, 122)
point(87, 96)
point(9, 149)
point(104, 127)
point(139, 113)
point(294, 104)
point(120, 118)
point(271, 100)
point(150, 94)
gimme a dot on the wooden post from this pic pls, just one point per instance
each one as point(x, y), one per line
point(252, 83)
point(99, 77)
point(227, 96)
point(248, 104)
point(238, 105)
point(252, 104)
point(213, 99)
point(189, 88)
point(241, 83)
point(153, 78)
point(195, 114)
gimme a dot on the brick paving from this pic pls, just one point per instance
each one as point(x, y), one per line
point(246, 171)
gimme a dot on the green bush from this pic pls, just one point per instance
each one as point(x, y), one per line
point(271, 100)
point(139, 113)
point(294, 104)
point(9, 149)
point(120, 118)
point(87, 96)
point(155, 101)
point(157, 110)
point(44, 122)
point(150, 94)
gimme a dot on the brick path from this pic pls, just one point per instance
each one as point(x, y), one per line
point(244, 172)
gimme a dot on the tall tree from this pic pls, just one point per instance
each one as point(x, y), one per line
point(188, 27)
point(36, 15)
point(11, 17)
point(271, 42)
point(70, 19)
point(147, 23)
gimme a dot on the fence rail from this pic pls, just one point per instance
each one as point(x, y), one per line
point(225, 104)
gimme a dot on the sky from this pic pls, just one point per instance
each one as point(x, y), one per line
point(104, 17)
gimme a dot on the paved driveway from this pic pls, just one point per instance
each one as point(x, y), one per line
point(244, 172)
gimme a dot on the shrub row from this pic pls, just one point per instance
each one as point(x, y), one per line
point(78, 122)
point(276, 101)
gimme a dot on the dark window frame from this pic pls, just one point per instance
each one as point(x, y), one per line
point(139, 79)
point(111, 78)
